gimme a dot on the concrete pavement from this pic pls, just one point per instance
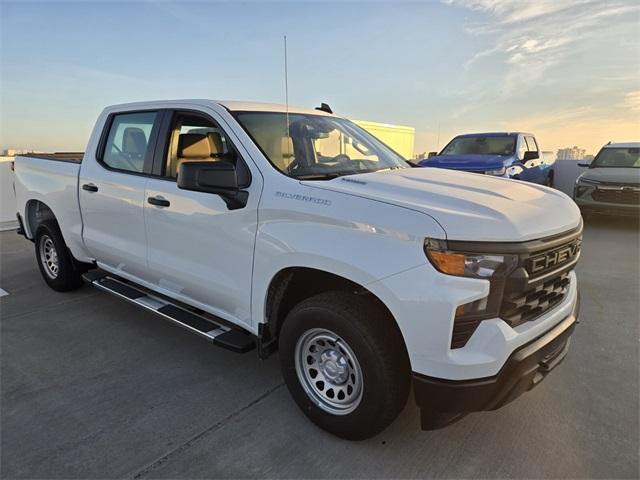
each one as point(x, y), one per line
point(92, 387)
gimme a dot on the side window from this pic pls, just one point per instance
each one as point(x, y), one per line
point(531, 142)
point(523, 148)
point(127, 144)
point(195, 138)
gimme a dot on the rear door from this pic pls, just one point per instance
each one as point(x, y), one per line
point(111, 192)
point(200, 250)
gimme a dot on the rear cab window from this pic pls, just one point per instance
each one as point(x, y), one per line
point(130, 141)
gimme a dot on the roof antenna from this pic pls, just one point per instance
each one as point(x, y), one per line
point(324, 108)
point(286, 99)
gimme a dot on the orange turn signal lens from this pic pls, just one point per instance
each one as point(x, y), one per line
point(447, 262)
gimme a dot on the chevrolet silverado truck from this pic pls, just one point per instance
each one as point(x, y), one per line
point(611, 184)
point(503, 154)
point(291, 230)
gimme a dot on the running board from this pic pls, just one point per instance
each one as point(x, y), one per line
point(230, 338)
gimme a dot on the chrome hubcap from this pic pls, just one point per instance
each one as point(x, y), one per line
point(329, 371)
point(49, 256)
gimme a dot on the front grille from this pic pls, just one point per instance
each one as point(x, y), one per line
point(527, 305)
point(538, 283)
point(627, 197)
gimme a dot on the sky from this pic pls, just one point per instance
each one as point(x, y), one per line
point(566, 70)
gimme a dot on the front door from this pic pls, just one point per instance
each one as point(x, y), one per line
point(111, 193)
point(533, 171)
point(199, 250)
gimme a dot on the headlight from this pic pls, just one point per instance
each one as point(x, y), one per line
point(474, 265)
point(586, 181)
point(498, 172)
point(583, 185)
point(515, 170)
point(492, 267)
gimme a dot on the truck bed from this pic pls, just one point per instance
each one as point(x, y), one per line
point(52, 180)
point(73, 157)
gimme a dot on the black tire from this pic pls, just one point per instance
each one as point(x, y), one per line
point(381, 355)
point(66, 275)
point(549, 181)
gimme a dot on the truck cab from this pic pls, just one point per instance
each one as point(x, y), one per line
point(514, 155)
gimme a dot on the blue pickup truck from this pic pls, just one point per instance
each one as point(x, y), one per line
point(503, 154)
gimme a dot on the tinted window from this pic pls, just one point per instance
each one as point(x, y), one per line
point(481, 145)
point(128, 141)
point(618, 158)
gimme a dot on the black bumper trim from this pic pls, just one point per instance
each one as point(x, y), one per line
point(443, 402)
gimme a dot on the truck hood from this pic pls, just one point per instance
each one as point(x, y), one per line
point(468, 206)
point(613, 175)
point(466, 162)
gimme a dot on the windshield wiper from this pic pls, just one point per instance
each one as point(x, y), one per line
point(317, 176)
point(343, 173)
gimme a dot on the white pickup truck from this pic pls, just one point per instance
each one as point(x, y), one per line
point(294, 230)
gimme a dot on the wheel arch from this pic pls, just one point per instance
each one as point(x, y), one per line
point(36, 212)
point(290, 285)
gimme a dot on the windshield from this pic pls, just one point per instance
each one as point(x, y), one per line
point(479, 145)
point(618, 158)
point(317, 147)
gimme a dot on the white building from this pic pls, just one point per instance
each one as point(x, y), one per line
point(574, 153)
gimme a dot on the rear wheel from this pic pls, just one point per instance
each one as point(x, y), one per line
point(54, 260)
point(345, 364)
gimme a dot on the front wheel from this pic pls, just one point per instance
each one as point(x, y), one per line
point(549, 181)
point(345, 364)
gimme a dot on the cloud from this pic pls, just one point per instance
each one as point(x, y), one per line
point(513, 11)
point(632, 101)
point(534, 37)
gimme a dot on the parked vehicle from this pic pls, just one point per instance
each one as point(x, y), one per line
point(502, 154)
point(611, 185)
point(255, 225)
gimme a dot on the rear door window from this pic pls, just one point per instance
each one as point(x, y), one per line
point(129, 142)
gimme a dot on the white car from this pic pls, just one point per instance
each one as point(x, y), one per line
point(256, 225)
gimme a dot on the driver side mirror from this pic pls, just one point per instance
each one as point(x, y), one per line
point(219, 178)
point(530, 155)
point(432, 154)
point(584, 164)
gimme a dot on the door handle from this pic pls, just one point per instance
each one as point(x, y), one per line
point(159, 201)
point(90, 187)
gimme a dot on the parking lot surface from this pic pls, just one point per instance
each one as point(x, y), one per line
point(92, 387)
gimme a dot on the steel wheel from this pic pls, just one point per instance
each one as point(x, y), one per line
point(49, 256)
point(329, 371)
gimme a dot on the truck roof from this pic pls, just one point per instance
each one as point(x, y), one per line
point(623, 145)
point(232, 105)
point(494, 134)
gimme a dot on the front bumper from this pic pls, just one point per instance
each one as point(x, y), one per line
point(443, 402)
point(609, 209)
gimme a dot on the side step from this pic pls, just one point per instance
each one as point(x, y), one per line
point(205, 325)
